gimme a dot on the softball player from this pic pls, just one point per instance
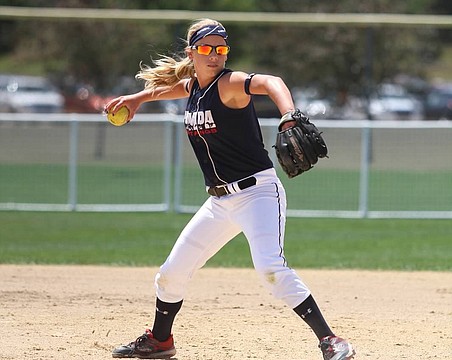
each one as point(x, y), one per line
point(245, 192)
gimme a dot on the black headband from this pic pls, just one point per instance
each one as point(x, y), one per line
point(206, 31)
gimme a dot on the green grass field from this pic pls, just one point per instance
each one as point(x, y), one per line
point(144, 239)
point(132, 184)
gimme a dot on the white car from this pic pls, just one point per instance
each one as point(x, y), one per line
point(19, 93)
point(394, 103)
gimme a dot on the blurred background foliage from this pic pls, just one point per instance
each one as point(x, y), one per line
point(328, 57)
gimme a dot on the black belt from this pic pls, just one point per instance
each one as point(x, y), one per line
point(223, 190)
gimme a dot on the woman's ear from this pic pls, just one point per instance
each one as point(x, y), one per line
point(189, 53)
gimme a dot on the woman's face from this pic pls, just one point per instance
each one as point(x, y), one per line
point(213, 63)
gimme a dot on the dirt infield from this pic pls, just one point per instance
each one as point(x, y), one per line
point(82, 312)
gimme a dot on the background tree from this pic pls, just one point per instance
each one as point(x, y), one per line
point(332, 58)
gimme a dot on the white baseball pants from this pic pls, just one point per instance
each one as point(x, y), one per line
point(260, 213)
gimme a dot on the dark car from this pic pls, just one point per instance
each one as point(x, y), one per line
point(438, 104)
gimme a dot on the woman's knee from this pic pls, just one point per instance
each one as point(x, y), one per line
point(284, 284)
point(170, 285)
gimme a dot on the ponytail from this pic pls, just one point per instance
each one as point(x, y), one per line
point(168, 71)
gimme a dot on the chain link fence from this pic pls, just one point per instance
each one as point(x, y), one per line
point(79, 162)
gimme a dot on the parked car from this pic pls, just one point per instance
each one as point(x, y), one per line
point(19, 93)
point(438, 104)
point(393, 102)
point(82, 98)
point(85, 98)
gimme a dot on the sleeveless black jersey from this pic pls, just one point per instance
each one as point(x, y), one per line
point(227, 142)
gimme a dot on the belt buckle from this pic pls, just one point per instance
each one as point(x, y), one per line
point(218, 191)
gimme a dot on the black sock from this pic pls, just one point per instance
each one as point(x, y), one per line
point(310, 313)
point(164, 318)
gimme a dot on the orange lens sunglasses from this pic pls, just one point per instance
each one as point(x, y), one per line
point(207, 49)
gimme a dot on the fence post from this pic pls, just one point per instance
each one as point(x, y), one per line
point(364, 171)
point(73, 156)
point(178, 162)
point(168, 162)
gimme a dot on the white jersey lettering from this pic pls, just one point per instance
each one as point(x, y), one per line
point(199, 121)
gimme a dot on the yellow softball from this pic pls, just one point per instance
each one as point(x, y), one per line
point(120, 117)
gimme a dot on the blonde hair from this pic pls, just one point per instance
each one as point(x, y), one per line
point(168, 71)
